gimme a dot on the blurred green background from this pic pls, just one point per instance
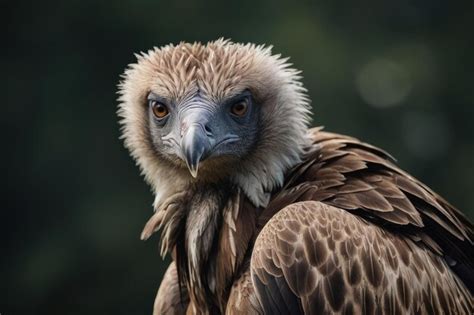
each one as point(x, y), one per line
point(397, 74)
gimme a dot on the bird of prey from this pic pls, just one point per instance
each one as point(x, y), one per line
point(264, 215)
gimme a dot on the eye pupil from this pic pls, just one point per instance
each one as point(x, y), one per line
point(159, 110)
point(239, 109)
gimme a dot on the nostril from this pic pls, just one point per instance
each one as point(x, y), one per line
point(208, 130)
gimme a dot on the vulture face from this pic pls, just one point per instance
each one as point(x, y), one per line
point(221, 106)
point(197, 130)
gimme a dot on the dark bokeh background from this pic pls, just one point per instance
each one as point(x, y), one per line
point(396, 73)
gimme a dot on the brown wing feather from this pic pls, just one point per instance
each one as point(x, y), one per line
point(346, 173)
point(314, 258)
point(169, 300)
point(242, 298)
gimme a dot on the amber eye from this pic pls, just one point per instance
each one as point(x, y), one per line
point(159, 110)
point(239, 109)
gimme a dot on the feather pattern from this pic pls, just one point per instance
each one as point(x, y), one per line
point(314, 258)
point(171, 299)
point(369, 237)
point(349, 232)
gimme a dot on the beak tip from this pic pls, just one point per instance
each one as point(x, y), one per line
point(193, 171)
point(195, 145)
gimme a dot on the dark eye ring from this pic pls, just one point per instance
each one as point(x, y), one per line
point(160, 110)
point(239, 108)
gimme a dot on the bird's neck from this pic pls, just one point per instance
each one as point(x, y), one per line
point(209, 231)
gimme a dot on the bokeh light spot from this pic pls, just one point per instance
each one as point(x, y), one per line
point(383, 83)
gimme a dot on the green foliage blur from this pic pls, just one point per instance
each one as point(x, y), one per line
point(397, 74)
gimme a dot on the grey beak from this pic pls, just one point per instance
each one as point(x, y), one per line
point(196, 146)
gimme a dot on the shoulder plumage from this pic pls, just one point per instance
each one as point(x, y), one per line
point(352, 175)
point(314, 258)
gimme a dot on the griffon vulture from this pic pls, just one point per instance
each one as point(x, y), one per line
point(263, 215)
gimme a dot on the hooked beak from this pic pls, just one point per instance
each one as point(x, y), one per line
point(196, 146)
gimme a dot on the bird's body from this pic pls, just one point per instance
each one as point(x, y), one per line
point(280, 218)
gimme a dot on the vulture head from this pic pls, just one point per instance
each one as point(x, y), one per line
point(207, 113)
